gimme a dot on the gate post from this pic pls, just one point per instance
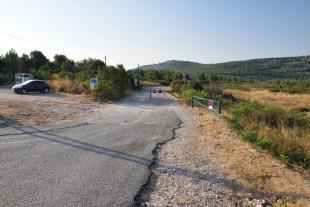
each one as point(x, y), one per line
point(192, 102)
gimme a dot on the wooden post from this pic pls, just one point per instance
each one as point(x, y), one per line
point(192, 102)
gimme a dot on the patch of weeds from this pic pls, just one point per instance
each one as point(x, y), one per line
point(243, 109)
point(263, 142)
point(283, 157)
point(249, 136)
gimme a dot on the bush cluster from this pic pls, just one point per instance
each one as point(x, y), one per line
point(285, 133)
point(187, 94)
point(66, 75)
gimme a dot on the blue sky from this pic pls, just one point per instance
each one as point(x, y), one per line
point(135, 32)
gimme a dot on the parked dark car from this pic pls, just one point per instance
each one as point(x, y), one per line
point(32, 86)
point(154, 91)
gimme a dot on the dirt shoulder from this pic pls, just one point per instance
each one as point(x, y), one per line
point(208, 164)
point(34, 108)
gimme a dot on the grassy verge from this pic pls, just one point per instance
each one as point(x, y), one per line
point(283, 132)
point(286, 134)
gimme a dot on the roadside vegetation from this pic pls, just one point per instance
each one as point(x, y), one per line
point(284, 133)
point(276, 120)
point(66, 75)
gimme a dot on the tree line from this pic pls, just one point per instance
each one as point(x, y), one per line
point(113, 79)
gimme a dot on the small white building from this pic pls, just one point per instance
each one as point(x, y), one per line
point(22, 77)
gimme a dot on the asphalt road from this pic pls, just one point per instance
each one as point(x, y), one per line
point(100, 163)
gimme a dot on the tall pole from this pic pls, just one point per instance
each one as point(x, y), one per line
point(105, 60)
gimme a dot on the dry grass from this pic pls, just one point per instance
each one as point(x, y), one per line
point(66, 85)
point(251, 166)
point(284, 133)
point(149, 83)
point(285, 100)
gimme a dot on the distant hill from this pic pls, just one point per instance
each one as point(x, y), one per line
point(263, 69)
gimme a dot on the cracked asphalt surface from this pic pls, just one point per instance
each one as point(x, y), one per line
point(103, 162)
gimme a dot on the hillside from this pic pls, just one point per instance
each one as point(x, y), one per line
point(262, 69)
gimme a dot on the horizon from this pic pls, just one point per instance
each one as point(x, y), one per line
point(145, 32)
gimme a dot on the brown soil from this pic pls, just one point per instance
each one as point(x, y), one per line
point(25, 112)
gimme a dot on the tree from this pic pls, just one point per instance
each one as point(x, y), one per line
point(38, 59)
point(167, 75)
point(201, 78)
point(24, 63)
point(177, 76)
point(213, 77)
point(2, 70)
point(121, 67)
point(68, 65)
point(11, 61)
point(59, 60)
point(91, 64)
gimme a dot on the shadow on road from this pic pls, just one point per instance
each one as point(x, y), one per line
point(51, 94)
point(196, 175)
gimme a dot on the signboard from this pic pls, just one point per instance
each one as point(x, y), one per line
point(214, 105)
point(210, 104)
point(93, 82)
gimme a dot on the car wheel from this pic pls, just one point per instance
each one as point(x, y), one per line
point(24, 91)
point(46, 90)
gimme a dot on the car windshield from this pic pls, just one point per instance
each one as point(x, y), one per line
point(26, 82)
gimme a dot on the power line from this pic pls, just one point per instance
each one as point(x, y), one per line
point(22, 39)
point(49, 48)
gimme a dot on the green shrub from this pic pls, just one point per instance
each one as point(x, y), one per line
point(177, 85)
point(42, 74)
point(263, 142)
point(249, 136)
point(283, 157)
point(213, 91)
point(65, 74)
point(228, 100)
point(285, 133)
point(187, 94)
point(243, 109)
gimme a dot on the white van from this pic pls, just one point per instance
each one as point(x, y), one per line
point(23, 77)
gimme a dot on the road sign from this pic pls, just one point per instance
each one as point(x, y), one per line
point(93, 82)
point(214, 105)
point(210, 103)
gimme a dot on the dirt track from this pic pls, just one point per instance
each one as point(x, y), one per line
point(38, 108)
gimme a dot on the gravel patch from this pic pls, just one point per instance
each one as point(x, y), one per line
point(185, 173)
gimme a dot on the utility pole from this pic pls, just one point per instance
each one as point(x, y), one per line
point(105, 60)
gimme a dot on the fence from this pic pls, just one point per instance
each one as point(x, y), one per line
point(214, 105)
